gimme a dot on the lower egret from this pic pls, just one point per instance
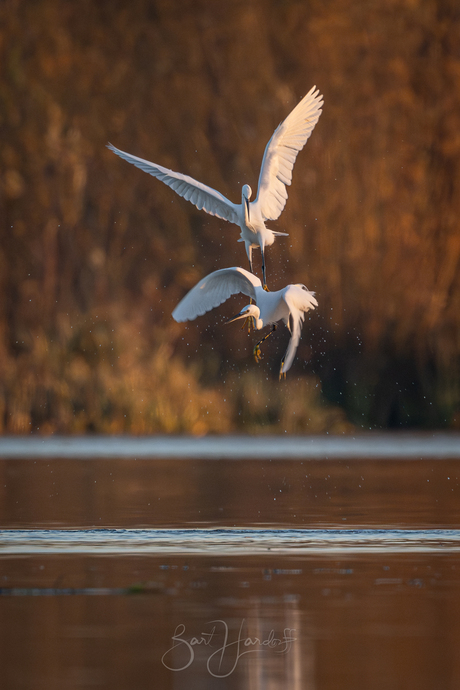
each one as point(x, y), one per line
point(275, 173)
point(289, 305)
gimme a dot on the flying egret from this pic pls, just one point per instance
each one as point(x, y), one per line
point(275, 173)
point(289, 305)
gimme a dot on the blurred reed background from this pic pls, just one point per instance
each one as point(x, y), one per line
point(95, 254)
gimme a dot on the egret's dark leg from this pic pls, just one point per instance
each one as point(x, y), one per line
point(249, 322)
point(256, 351)
point(282, 373)
point(262, 251)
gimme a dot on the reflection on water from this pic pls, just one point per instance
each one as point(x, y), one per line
point(319, 490)
point(320, 621)
point(313, 572)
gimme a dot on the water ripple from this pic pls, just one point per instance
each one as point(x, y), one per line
point(226, 541)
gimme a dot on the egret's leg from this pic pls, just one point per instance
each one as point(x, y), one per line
point(262, 251)
point(256, 351)
point(249, 322)
point(282, 373)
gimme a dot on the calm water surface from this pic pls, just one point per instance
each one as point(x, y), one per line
point(230, 563)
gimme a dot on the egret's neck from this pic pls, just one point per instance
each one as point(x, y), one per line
point(255, 313)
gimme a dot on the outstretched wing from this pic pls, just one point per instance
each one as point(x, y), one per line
point(215, 289)
point(299, 300)
point(281, 152)
point(203, 197)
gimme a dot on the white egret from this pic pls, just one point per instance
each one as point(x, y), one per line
point(275, 173)
point(289, 305)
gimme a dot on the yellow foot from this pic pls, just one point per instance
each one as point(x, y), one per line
point(249, 323)
point(266, 288)
point(282, 373)
point(257, 353)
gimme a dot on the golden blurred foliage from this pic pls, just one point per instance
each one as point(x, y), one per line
point(95, 254)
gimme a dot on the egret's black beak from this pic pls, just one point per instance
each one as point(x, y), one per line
point(247, 207)
point(241, 315)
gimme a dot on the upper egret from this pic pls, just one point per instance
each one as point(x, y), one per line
point(275, 173)
point(288, 305)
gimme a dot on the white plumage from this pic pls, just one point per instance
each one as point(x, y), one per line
point(276, 172)
point(289, 304)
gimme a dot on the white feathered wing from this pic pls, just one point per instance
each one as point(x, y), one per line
point(215, 289)
point(200, 195)
point(299, 301)
point(281, 152)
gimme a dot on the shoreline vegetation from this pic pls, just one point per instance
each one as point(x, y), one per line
point(94, 379)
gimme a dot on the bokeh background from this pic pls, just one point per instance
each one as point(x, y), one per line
point(95, 254)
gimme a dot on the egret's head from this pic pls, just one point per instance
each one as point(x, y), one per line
point(246, 192)
point(248, 311)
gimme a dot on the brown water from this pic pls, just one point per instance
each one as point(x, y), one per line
point(314, 572)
